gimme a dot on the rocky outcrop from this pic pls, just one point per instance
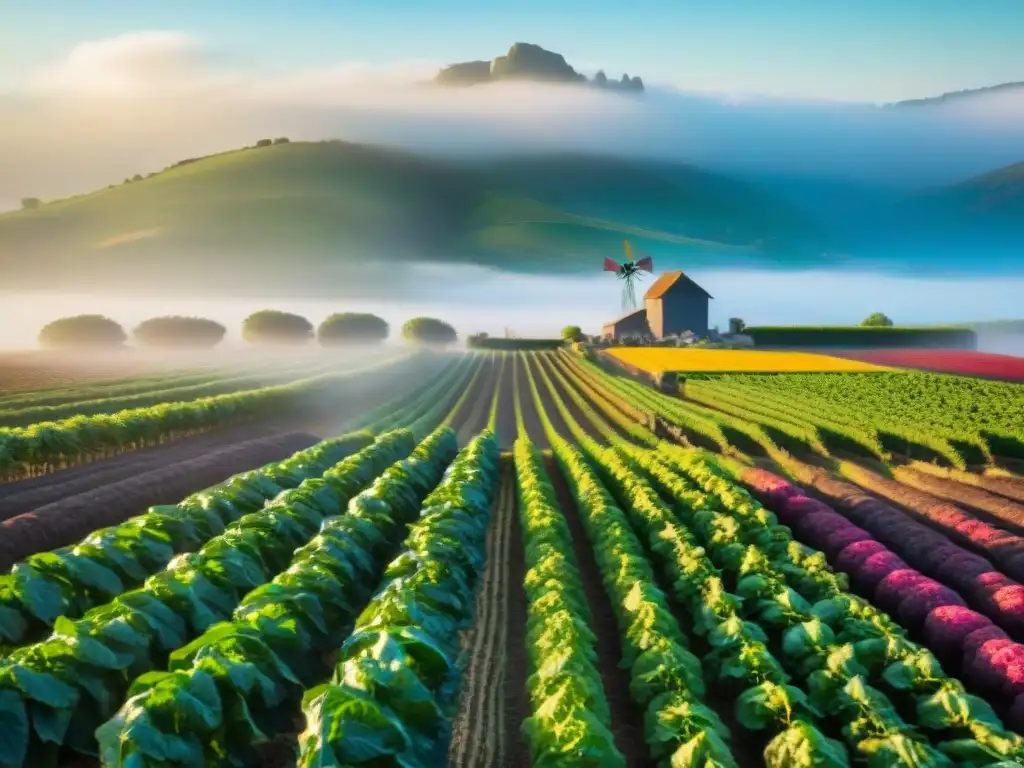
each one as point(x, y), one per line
point(525, 61)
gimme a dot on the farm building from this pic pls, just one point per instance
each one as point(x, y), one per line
point(630, 324)
point(673, 304)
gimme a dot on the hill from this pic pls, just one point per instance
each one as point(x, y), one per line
point(339, 217)
point(526, 61)
point(984, 209)
point(955, 96)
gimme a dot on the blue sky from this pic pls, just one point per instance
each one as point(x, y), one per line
point(867, 50)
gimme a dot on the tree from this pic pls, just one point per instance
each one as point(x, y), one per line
point(428, 331)
point(877, 320)
point(352, 328)
point(572, 333)
point(137, 177)
point(264, 143)
point(282, 140)
point(30, 203)
point(269, 326)
point(82, 331)
point(177, 331)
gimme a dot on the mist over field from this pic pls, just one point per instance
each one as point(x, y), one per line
point(489, 301)
point(139, 102)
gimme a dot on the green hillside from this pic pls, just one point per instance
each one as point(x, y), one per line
point(336, 216)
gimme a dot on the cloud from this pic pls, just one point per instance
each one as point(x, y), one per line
point(138, 102)
point(132, 64)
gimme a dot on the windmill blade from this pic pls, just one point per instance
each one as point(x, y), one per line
point(610, 266)
point(628, 249)
point(646, 264)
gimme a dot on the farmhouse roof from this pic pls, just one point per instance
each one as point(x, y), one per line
point(662, 285)
point(626, 316)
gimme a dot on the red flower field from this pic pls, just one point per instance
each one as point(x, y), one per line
point(968, 363)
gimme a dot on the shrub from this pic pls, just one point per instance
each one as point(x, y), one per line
point(352, 328)
point(83, 331)
point(264, 143)
point(877, 320)
point(30, 203)
point(572, 333)
point(861, 336)
point(282, 140)
point(177, 331)
point(428, 331)
point(269, 326)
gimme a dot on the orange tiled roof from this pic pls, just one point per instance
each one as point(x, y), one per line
point(661, 286)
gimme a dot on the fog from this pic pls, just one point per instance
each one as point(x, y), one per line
point(136, 103)
point(541, 306)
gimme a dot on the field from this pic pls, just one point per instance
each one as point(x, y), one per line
point(679, 360)
point(992, 366)
point(516, 558)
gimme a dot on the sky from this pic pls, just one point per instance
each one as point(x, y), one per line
point(872, 50)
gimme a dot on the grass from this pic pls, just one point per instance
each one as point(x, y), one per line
point(333, 203)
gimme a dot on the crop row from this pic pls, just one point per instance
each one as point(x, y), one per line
point(964, 420)
point(570, 714)
point(941, 703)
point(60, 689)
point(71, 580)
point(47, 446)
point(958, 635)
point(396, 681)
point(30, 413)
point(105, 389)
point(739, 657)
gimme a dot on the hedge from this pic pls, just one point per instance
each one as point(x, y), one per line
point(514, 344)
point(860, 336)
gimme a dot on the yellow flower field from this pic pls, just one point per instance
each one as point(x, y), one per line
point(659, 359)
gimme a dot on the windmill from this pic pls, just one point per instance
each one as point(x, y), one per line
point(629, 272)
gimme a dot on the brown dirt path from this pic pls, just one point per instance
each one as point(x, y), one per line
point(493, 704)
point(507, 405)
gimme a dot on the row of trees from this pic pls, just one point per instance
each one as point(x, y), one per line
point(268, 326)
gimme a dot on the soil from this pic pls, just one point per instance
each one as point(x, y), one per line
point(626, 718)
point(507, 406)
point(72, 518)
point(472, 416)
point(531, 416)
point(494, 702)
point(38, 369)
point(26, 495)
point(980, 502)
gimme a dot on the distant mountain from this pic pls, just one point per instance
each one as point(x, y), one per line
point(993, 201)
point(342, 219)
point(525, 61)
point(954, 96)
point(974, 226)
